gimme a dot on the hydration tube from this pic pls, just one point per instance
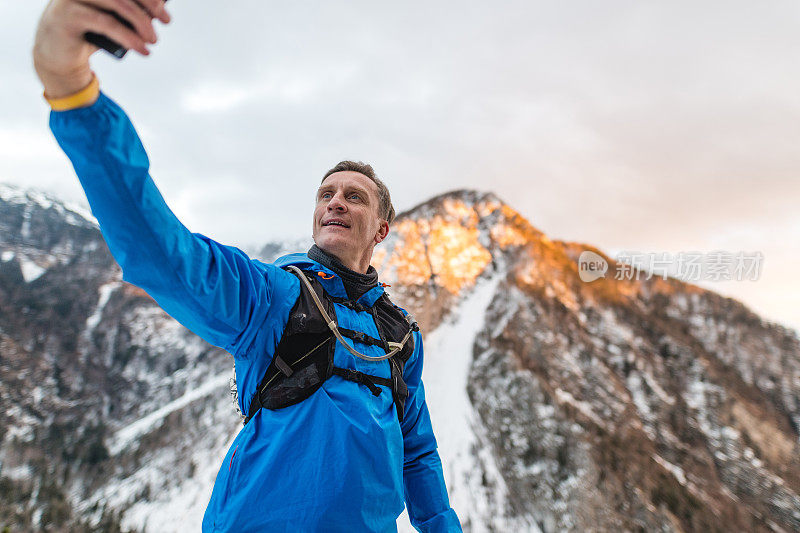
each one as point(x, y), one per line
point(396, 346)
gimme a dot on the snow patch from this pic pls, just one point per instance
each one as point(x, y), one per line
point(634, 383)
point(84, 214)
point(25, 230)
point(21, 426)
point(74, 214)
point(672, 469)
point(7, 256)
point(156, 497)
point(30, 270)
point(12, 195)
point(181, 508)
point(105, 294)
point(128, 434)
point(563, 396)
point(655, 387)
point(18, 473)
point(459, 433)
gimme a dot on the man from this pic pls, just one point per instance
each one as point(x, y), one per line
point(338, 453)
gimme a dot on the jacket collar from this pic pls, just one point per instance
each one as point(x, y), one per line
point(330, 281)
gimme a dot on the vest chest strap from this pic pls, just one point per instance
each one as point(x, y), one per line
point(363, 379)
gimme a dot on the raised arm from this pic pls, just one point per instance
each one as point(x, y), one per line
point(425, 491)
point(214, 290)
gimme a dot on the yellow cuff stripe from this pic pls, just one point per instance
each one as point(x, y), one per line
point(82, 98)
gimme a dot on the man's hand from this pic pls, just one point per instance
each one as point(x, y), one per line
point(60, 52)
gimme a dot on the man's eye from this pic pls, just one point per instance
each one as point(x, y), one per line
point(355, 196)
point(325, 195)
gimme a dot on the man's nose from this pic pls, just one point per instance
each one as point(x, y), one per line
point(336, 204)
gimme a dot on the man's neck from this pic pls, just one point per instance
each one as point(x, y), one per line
point(359, 266)
point(355, 283)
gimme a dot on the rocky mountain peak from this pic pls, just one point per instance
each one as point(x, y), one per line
point(38, 201)
point(441, 247)
point(447, 242)
point(499, 226)
point(39, 231)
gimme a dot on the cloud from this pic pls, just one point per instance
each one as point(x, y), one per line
point(660, 126)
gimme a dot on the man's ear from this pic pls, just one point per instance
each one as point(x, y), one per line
point(383, 231)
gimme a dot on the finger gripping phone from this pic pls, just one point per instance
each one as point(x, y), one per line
point(112, 47)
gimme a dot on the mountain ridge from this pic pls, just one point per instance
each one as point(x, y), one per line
point(628, 404)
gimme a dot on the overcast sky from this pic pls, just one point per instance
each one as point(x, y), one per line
point(655, 127)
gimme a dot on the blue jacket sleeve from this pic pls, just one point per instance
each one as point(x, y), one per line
point(214, 290)
point(425, 491)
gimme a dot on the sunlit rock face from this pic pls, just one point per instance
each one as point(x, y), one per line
point(439, 249)
point(559, 405)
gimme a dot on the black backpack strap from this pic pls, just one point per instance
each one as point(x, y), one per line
point(255, 405)
point(399, 389)
point(363, 379)
point(361, 337)
point(350, 304)
point(396, 384)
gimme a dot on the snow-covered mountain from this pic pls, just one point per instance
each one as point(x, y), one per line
point(558, 405)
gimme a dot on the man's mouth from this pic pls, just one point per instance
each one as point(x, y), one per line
point(335, 223)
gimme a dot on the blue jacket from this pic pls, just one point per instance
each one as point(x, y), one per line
point(338, 461)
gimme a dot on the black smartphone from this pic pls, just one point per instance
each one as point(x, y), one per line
point(112, 47)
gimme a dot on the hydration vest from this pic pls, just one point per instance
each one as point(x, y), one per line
point(303, 360)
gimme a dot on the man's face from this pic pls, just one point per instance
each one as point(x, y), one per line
point(347, 223)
